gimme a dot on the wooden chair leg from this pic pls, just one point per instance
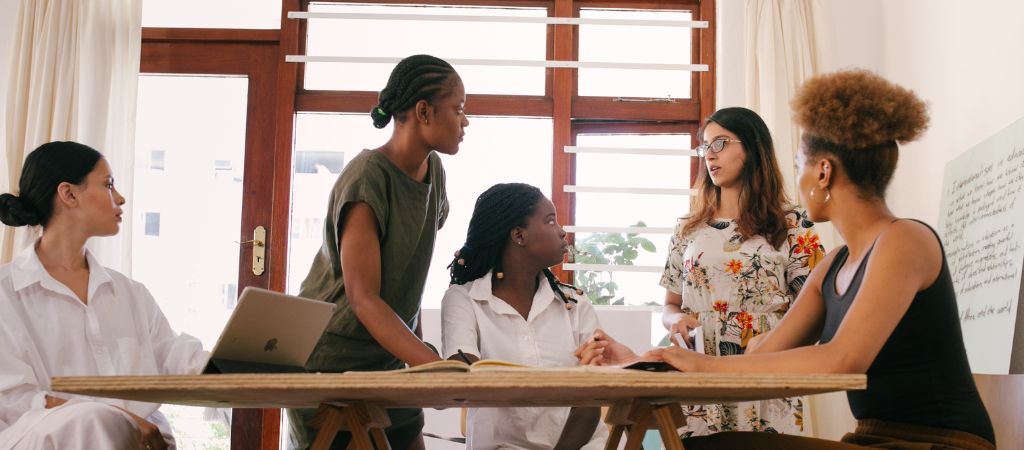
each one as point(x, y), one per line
point(329, 418)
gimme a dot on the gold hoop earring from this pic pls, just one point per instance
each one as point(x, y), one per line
point(828, 195)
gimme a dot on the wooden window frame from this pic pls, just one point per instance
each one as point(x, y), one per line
point(181, 50)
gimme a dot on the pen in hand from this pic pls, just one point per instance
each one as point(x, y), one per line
point(464, 357)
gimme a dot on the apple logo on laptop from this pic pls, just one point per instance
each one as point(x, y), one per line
point(271, 345)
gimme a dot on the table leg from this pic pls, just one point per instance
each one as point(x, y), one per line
point(668, 418)
point(380, 439)
point(637, 431)
point(614, 436)
point(359, 419)
point(630, 417)
point(329, 418)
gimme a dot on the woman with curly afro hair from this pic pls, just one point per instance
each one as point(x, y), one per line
point(874, 305)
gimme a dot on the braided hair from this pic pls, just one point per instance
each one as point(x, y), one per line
point(498, 210)
point(418, 77)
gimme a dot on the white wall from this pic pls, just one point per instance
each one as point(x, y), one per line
point(964, 60)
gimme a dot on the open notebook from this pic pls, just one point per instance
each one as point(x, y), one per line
point(496, 365)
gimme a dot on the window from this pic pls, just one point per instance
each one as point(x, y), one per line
point(153, 224)
point(156, 159)
point(197, 224)
point(312, 161)
point(627, 203)
point(620, 156)
point(531, 124)
point(652, 45)
point(264, 14)
point(401, 38)
point(500, 149)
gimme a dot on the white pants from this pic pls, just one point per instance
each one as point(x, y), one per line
point(85, 425)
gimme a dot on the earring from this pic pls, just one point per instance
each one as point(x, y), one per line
point(500, 275)
point(520, 243)
point(828, 195)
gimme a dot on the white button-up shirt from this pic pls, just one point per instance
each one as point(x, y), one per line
point(46, 331)
point(475, 321)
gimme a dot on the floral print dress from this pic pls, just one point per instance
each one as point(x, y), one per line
point(739, 289)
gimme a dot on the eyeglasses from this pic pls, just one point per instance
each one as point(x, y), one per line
point(716, 145)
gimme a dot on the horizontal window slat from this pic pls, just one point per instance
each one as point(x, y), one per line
point(628, 190)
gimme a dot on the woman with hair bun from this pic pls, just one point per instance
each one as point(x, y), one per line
point(383, 215)
point(871, 306)
point(64, 314)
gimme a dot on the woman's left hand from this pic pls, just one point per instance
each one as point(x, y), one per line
point(682, 359)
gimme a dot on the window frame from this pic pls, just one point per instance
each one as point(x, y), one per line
point(197, 50)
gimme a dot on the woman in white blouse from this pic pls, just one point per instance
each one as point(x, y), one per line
point(505, 304)
point(65, 315)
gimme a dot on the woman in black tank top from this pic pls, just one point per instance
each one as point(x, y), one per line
point(884, 304)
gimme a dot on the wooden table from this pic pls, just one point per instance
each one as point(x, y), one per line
point(355, 401)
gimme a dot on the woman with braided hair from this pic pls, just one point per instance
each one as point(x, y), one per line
point(504, 303)
point(383, 215)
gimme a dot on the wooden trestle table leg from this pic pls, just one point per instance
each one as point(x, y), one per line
point(635, 417)
point(359, 419)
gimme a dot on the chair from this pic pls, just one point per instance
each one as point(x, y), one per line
point(1003, 396)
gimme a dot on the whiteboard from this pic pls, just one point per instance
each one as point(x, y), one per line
point(981, 221)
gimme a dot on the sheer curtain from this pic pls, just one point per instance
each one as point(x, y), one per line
point(785, 45)
point(73, 76)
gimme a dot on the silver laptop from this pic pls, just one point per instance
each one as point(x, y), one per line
point(269, 332)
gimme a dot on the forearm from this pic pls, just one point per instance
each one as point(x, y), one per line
point(809, 359)
point(672, 315)
point(579, 428)
point(392, 333)
point(419, 325)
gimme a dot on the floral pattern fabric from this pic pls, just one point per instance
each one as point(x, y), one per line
point(739, 289)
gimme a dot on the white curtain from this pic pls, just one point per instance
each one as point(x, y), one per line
point(785, 45)
point(74, 76)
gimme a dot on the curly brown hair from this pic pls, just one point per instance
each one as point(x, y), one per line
point(859, 117)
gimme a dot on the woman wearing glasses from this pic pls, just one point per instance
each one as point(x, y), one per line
point(736, 262)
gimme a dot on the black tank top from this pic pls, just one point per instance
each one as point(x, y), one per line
point(921, 375)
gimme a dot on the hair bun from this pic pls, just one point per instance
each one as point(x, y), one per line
point(859, 109)
point(380, 117)
point(15, 212)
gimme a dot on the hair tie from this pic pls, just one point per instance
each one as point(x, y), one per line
point(380, 111)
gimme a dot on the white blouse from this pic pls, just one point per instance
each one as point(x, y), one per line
point(475, 321)
point(46, 331)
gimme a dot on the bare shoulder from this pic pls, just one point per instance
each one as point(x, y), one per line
point(910, 236)
point(910, 248)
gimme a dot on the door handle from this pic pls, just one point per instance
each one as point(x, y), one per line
point(259, 250)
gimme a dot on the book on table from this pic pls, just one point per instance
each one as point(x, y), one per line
point(496, 365)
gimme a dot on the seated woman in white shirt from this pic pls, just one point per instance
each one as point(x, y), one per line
point(505, 304)
point(65, 315)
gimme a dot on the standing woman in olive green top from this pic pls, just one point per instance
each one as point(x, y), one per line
point(384, 212)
